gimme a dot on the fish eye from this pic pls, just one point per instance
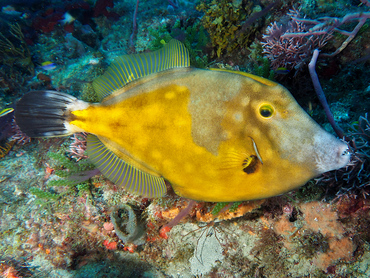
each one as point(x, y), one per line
point(266, 110)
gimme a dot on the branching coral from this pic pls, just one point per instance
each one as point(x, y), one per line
point(355, 178)
point(326, 25)
point(291, 45)
point(291, 52)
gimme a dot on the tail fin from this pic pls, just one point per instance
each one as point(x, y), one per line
point(44, 113)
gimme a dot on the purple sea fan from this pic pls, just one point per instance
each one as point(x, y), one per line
point(286, 50)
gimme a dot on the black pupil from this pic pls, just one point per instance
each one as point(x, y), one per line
point(265, 112)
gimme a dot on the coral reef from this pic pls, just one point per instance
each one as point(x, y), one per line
point(60, 218)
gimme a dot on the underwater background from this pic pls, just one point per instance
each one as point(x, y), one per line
point(54, 226)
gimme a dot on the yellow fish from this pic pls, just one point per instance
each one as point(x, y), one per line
point(215, 135)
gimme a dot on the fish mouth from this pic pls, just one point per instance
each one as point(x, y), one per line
point(340, 157)
point(344, 155)
point(330, 153)
point(347, 152)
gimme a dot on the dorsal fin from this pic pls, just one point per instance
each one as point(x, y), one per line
point(127, 68)
point(121, 173)
point(252, 76)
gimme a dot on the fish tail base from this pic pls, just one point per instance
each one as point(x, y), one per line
point(45, 113)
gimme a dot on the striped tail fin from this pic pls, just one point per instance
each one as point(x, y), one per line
point(45, 113)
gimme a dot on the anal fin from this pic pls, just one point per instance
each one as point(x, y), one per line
point(121, 173)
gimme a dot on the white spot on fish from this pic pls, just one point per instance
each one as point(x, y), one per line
point(268, 154)
point(226, 135)
point(220, 111)
point(245, 101)
point(238, 117)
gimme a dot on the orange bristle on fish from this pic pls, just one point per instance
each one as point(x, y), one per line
point(215, 135)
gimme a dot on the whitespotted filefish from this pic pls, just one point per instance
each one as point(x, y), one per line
point(215, 135)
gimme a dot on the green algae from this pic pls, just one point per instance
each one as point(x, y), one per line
point(192, 34)
point(71, 174)
point(43, 194)
point(224, 21)
point(219, 206)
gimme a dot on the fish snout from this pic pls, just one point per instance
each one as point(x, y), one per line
point(343, 155)
point(331, 154)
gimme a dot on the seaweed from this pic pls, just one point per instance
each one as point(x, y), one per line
point(41, 194)
point(231, 24)
point(224, 205)
point(14, 50)
point(262, 68)
point(161, 36)
point(192, 34)
point(15, 62)
point(196, 40)
point(76, 176)
point(218, 207)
